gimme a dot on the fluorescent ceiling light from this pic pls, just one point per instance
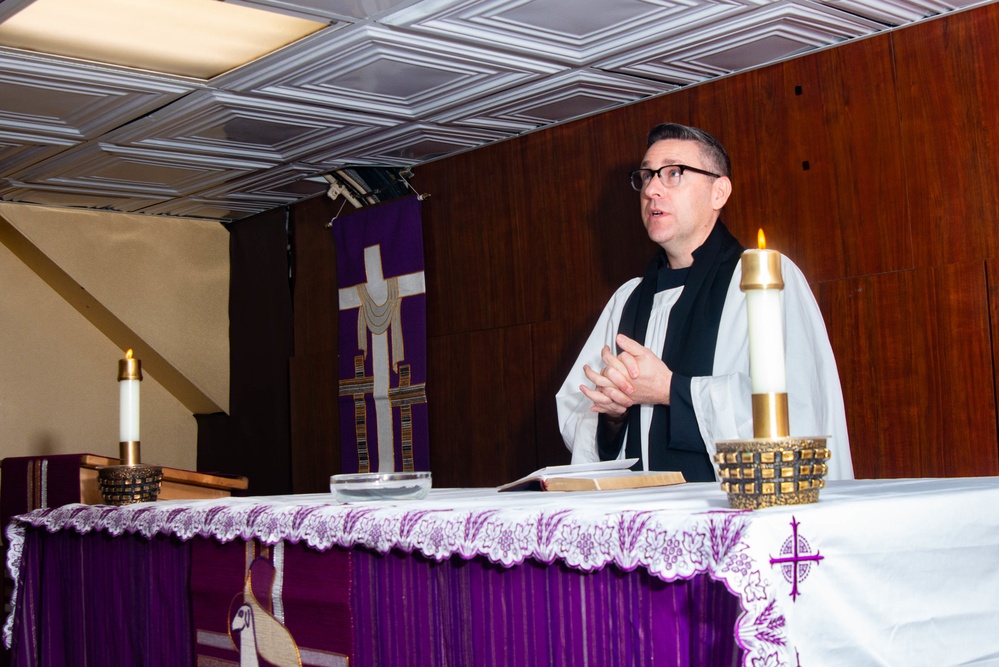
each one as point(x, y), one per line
point(195, 38)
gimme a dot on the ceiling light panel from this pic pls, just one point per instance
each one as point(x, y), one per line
point(194, 38)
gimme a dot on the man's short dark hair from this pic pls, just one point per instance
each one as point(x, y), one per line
point(711, 148)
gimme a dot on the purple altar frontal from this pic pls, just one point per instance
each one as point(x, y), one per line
point(877, 572)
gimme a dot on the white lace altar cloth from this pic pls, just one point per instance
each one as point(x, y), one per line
point(876, 572)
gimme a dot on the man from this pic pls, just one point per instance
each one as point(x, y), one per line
point(665, 372)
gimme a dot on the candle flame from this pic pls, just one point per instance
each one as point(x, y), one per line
point(128, 354)
point(761, 240)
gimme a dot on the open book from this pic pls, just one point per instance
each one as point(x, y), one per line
point(604, 475)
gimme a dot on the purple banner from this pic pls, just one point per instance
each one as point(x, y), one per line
point(383, 339)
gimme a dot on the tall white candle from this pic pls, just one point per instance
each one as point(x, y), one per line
point(766, 342)
point(762, 282)
point(129, 377)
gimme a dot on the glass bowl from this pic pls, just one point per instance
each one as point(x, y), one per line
point(380, 486)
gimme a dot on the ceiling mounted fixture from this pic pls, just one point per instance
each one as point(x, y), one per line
point(194, 38)
point(364, 186)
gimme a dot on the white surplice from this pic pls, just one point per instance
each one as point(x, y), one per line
point(723, 401)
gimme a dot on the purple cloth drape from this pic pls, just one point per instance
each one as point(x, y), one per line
point(30, 482)
point(413, 611)
point(94, 599)
point(103, 601)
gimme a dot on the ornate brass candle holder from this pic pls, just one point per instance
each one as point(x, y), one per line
point(764, 472)
point(130, 482)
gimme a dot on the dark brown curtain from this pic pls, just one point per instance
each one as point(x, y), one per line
point(255, 440)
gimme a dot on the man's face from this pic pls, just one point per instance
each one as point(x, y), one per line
point(680, 218)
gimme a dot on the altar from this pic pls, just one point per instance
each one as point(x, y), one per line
point(885, 572)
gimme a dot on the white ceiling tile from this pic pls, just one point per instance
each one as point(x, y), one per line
point(896, 12)
point(76, 198)
point(406, 145)
point(280, 185)
point(242, 126)
point(574, 32)
point(19, 150)
point(572, 94)
point(389, 72)
point(135, 171)
point(72, 101)
point(766, 34)
point(191, 207)
point(328, 9)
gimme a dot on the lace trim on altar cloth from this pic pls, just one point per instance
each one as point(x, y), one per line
point(670, 545)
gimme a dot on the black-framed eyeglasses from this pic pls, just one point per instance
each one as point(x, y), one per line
point(669, 175)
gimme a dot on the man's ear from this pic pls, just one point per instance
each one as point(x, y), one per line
point(721, 189)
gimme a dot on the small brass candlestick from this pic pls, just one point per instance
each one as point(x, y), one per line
point(130, 481)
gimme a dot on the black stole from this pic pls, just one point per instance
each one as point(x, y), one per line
point(692, 334)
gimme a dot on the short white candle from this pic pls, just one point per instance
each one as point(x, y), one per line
point(129, 378)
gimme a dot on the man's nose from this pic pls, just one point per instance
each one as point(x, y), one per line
point(654, 188)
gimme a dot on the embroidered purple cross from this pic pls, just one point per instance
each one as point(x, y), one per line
point(795, 559)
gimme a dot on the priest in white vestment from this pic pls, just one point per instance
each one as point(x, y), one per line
point(665, 372)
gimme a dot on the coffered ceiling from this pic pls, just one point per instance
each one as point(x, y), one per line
point(387, 83)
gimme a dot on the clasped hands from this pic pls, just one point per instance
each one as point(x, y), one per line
point(635, 376)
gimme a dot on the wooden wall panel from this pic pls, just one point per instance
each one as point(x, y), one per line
point(481, 407)
point(731, 109)
point(992, 278)
point(914, 354)
point(468, 239)
point(821, 170)
point(553, 351)
point(577, 214)
point(315, 421)
point(315, 424)
point(949, 104)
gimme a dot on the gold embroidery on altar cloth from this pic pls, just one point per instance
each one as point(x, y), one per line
point(377, 318)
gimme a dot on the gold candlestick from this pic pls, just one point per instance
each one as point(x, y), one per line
point(130, 481)
point(770, 418)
